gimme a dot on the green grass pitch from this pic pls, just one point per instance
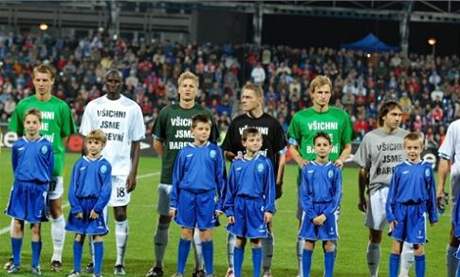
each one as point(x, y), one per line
point(351, 259)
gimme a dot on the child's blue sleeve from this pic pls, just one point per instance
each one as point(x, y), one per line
point(269, 189)
point(306, 195)
point(106, 189)
point(220, 180)
point(177, 178)
point(431, 203)
point(50, 160)
point(337, 187)
point(15, 157)
point(73, 200)
point(230, 191)
point(391, 199)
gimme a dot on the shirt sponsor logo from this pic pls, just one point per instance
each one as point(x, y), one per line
point(405, 172)
point(330, 173)
point(189, 155)
point(212, 154)
point(260, 167)
point(103, 169)
point(44, 149)
point(427, 172)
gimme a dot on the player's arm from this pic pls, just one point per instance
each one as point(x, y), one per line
point(443, 171)
point(157, 146)
point(135, 154)
point(296, 155)
point(344, 155)
point(363, 181)
point(229, 155)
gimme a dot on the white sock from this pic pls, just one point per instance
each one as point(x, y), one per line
point(373, 258)
point(231, 239)
point(299, 249)
point(199, 259)
point(121, 239)
point(407, 259)
point(58, 237)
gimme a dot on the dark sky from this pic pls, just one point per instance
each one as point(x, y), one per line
point(303, 31)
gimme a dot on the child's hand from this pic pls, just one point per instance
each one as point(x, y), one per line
point(172, 212)
point(267, 217)
point(393, 225)
point(79, 215)
point(218, 213)
point(93, 215)
point(319, 220)
point(231, 220)
point(339, 163)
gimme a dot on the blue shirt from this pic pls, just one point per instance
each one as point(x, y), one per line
point(33, 160)
point(198, 169)
point(90, 179)
point(412, 183)
point(251, 178)
point(320, 184)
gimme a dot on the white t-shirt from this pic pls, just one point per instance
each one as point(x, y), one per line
point(122, 122)
point(450, 148)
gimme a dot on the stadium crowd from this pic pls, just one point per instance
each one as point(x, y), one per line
point(427, 87)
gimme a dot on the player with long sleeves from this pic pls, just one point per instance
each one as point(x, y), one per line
point(321, 191)
point(250, 200)
point(412, 194)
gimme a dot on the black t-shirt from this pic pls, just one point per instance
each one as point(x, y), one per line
point(274, 138)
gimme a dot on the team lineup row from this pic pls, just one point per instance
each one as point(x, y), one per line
point(316, 135)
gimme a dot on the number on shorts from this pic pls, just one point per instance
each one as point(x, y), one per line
point(120, 192)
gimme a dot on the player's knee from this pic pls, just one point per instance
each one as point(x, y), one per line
point(98, 238)
point(35, 230)
point(309, 245)
point(164, 219)
point(328, 246)
point(240, 242)
point(375, 236)
point(419, 250)
point(256, 242)
point(120, 213)
point(186, 234)
point(79, 237)
point(206, 235)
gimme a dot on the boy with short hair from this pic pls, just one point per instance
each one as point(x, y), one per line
point(33, 162)
point(321, 191)
point(412, 194)
point(89, 193)
point(250, 200)
point(198, 177)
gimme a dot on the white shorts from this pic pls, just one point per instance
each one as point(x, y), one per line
point(56, 188)
point(376, 214)
point(120, 196)
point(163, 198)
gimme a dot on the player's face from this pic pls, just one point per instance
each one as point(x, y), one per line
point(320, 96)
point(201, 132)
point(393, 119)
point(413, 149)
point(94, 147)
point(253, 143)
point(249, 100)
point(32, 125)
point(43, 84)
point(187, 90)
point(322, 147)
point(113, 84)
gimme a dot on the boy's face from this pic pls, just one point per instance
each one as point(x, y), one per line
point(94, 147)
point(253, 143)
point(201, 132)
point(392, 119)
point(413, 149)
point(32, 125)
point(322, 147)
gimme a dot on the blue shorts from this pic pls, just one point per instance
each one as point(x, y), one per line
point(310, 231)
point(28, 202)
point(87, 226)
point(411, 225)
point(249, 218)
point(196, 209)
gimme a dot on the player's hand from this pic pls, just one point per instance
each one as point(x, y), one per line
point(239, 155)
point(393, 225)
point(362, 205)
point(79, 215)
point(339, 163)
point(93, 215)
point(267, 217)
point(172, 212)
point(219, 213)
point(278, 190)
point(131, 182)
point(302, 163)
point(319, 220)
point(231, 220)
